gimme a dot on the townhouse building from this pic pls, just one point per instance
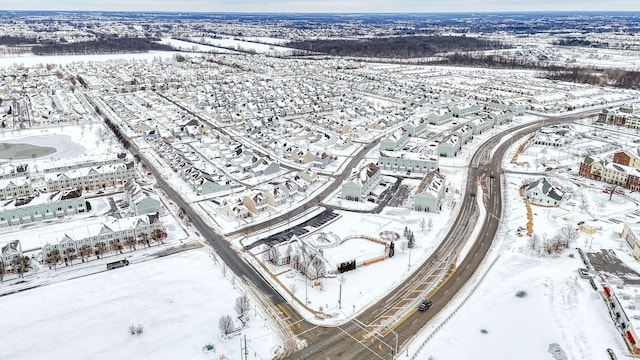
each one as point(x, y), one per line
point(116, 231)
point(41, 207)
point(405, 161)
point(360, 184)
point(430, 192)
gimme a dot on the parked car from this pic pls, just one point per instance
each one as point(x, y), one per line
point(612, 355)
point(425, 305)
point(584, 273)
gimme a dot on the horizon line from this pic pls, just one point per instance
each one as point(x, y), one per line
point(325, 13)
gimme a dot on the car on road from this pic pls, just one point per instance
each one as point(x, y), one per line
point(584, 273)
point(425, 305)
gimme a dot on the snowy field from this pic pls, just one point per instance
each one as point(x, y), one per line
point(177, 299)
point(240, 45)
point(559, 307)
point(189, 46)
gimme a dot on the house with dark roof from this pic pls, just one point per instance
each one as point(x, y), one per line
point(542, 192)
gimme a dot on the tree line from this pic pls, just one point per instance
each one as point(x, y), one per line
point(101, 46)
point(627, 79)
point(396, 47)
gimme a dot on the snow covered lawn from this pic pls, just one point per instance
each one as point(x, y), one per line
point(177, 299)
point(559, 308)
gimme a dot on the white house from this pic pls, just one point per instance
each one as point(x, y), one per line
point(542, 192)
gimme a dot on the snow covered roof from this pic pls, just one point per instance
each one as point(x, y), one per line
point(545, 187)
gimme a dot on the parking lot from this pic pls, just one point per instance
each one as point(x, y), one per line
point(606, 262)
point(297, 230)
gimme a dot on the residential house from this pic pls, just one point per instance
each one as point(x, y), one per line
point(629, 158)
point(41, 207)
point(416, 126)
point(450, 146)
point(10, 250)
point(256, 202)
point(429, 195)
point(395, 141)
point(465, 109)
point(542, 192)
point(405, 161)
point(234, 208)
point(360, 184)
point(140, 199)
point(117, 230)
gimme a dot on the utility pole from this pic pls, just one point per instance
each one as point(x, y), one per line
point(340, 292)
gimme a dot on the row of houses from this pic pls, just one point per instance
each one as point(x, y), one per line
point(39, 207)
point(80, 175)
point(623, 116)
point(623, 171)
point(111, 233)
point(258, 201)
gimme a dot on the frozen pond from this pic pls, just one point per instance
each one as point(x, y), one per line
point(39, 146)
point(23, 151)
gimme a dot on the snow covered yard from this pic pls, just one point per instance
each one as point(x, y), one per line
point(559, 307)
point(178, 301)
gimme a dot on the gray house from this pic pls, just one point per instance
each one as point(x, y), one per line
point(450, 146)
point(361, 183)
point(41, 207)
point(430, 192)
point(395, 140)
point(407, 161)
point(108, 233)
point(542, 192)
point(141, 200)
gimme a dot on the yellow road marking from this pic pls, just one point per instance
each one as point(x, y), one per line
point(284, 312)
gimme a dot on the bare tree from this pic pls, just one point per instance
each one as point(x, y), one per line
point(84, 252)
point(423, 224)
point(52, 258)
point(430, 225)
point(130, 241)
point(21, 265)
point(69, 255)
point(534, 241)
point(115, 246)
point(611, 189)
point(225, 324)
point(547, 246)
point(568, 234)
point(242, 309)
point(158, 236)
point(144, 239)
point(3, 270)
point(317, 267)
point(100, 248)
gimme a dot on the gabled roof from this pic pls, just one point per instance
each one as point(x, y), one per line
point(545, 187)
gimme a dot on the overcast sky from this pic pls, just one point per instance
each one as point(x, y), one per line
point(321, 5)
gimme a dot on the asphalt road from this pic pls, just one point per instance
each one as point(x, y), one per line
point(346, 341)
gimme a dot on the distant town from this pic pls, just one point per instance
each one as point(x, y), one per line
point(320, 186)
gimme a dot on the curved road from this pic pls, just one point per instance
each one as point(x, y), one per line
point(364, 337)
point(354, 340)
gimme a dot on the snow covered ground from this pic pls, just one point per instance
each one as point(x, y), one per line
point(559, 307)
point(177, 299)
